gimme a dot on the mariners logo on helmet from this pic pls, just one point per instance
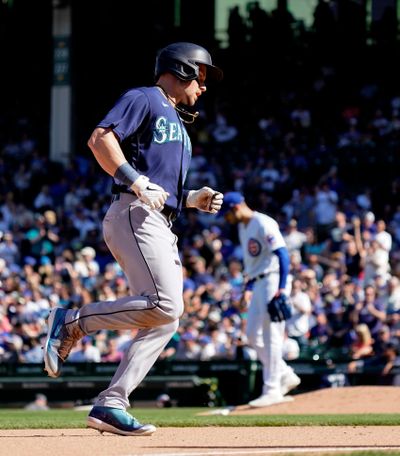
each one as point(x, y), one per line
point(183, 59)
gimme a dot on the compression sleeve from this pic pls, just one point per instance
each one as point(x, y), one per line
point(284, 264)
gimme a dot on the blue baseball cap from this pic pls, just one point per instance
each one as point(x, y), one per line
point(230, 199)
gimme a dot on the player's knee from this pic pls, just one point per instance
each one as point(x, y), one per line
point(172, 310)
point(174, 314)
point(174, 326)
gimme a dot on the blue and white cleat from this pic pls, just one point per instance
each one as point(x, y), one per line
point(61, 338)
point(117, 421)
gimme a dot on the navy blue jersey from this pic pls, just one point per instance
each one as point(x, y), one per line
point(153, 139)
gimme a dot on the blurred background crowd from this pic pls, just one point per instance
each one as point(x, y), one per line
point(307, 126)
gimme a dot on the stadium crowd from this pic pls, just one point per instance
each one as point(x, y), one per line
point(326, 168)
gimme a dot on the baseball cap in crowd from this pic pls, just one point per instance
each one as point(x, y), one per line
point(88, 252)
point(369, 216)
point(230, 199)
point(86, 339)
point(30, 261)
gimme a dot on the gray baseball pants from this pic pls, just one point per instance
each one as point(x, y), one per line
point(142, 242)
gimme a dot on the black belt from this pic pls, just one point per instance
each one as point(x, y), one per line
point(117, 189)
point(170, 214)
point(254, 279)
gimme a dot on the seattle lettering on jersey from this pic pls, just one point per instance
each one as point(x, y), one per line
point(166, 131)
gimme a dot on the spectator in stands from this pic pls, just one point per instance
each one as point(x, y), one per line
point(39, 404)
point(313, 245)
point(393, 296)
point(201, 277)
point(40, 239)
point(354, 252)
point(325, 210)
point(207, 347)
point(320, 331)
point(188, 347)
point(383, 237)
point(112, 354)
point(86, 264)
point(339, 234)
point(8, 249)
point(293, 237)
point(382, 339)
point(314, 265)
point(376, 262)
point(43, 199)
point(370, 311)
point(363, 343)
point(34, 354)
point(235, 274)
point(291, 348)
point(298, 326)
point(85, 352)
point(11, 348)
point(368, 224)
point(384, 357)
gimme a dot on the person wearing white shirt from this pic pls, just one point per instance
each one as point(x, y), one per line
point(382, 236)
point(294, 238)
point(87, 353)
point(299, 324)
point(376, 262)
point(325, 210)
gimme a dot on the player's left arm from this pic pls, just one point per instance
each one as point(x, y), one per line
point(273, 237)
point(284, 266)
point(279, 307)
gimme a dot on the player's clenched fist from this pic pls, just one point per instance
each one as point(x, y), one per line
point(151, 194)
point(206, 199)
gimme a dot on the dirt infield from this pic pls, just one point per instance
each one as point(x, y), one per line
point(197, 441)
point(336, 401)
point(227, 441)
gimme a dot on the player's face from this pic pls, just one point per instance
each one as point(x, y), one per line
point(195, 88)
point(231, 217)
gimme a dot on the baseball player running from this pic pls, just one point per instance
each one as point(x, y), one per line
point(266, 264)
point(142, 142)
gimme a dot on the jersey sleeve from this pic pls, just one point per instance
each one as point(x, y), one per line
point(127, 114)
point(272, 234)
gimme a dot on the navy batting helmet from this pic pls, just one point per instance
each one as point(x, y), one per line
point(183, 59)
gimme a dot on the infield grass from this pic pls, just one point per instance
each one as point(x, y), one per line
point(186, 417)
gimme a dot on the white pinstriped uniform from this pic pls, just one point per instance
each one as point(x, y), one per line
point(259, 238)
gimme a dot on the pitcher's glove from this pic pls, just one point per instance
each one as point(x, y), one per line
point(279, 308)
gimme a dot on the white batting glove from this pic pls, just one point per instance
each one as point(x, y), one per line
point(206, 199)
point(151, 194)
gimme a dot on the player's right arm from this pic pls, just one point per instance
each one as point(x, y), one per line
point(106, 148)
point(107, 151)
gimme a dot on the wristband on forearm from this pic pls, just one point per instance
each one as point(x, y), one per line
point(126, 174)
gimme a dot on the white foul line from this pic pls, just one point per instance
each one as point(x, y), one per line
point(266, 451)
